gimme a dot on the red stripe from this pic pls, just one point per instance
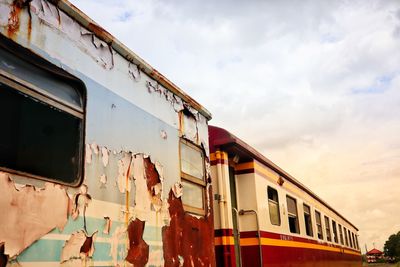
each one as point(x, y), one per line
point(223, 232)
point(218, 161)
point(248, 234)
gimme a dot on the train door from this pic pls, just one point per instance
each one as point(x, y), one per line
point(235, 215)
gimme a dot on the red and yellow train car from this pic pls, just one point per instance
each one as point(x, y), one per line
point(265, 217)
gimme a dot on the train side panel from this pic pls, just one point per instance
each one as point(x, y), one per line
point(126, 208)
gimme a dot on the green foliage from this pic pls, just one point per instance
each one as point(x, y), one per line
point(392, 247)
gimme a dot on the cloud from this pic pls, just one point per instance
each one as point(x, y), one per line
point(314, 85)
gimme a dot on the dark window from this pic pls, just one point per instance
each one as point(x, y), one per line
point(42, 112)
point(273, 205)
point(307, 220)
point(319, 225)
point(193, 177)
point(354, 242)
point(341, 234)
point(335, 235)
point(345, 236)
point(350, 241)
point(292, 214)
point(328, 229)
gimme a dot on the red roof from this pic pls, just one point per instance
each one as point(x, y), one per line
point(374, 252)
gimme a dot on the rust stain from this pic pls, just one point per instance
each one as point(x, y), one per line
point(100, 32)
point(87, 246)
point(14, 20)
point(152, 176)
point(3, 257)
point(29, 27)
point(188, 237)
point(138, 252)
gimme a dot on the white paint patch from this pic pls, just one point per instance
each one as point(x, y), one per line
point(103, 179)
point(29, 213)
point(177, 189)
point(88, 154)
point(81, 202)
point(124, 179)
point(95, 148)
point(104, 153)
point(142, 196)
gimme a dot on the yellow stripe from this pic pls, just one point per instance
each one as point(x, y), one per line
point(218, 155)
point(294, 244)
point(224, 240)
point(244, 166)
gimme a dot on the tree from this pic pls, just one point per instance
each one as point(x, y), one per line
point(392, 247)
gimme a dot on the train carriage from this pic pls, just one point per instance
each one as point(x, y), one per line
point(95, 148)
point(265, 217)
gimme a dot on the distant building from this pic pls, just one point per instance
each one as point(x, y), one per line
point(374, 255)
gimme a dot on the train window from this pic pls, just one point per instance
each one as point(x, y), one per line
point(319, 225)
point(292, 214)
point(357, 242)
point(43, 109)
point(273, 205)
point(335, 235)
point(354, 242)
point(345, 236)
point(307, 220)
point(350, 241)
point(341, 234)
point(193, 177)
point(327, 229)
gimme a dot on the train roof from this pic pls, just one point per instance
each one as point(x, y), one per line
point(128, 54)
point(221, 138)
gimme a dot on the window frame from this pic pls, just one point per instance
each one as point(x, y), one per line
point(185, 177)
point(341, 234)
point(275, 203)
point(310, 224)
point(36, 93)
point(290, 215)
point(319, 226)
point(328, 228)
point(345, 236)
point(335, 233)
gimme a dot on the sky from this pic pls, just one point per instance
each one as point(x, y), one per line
point(313, 85)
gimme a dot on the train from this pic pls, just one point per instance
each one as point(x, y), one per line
point(106, 162)
point(263, 216)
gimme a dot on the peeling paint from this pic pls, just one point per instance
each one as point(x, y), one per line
point(187, 237)
point(100, 51)
point(124, 178)
point(134, 71)
point(138, 252)
point(103, 179)
point(163, 134)
point(80, 203)
point(13, 21)
point(142, 197)
point(95, 148)
point(88, 154)
point(24, 224)
point(107, 225)
point(104, 153)
point(177, 189)
point(78, 247)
